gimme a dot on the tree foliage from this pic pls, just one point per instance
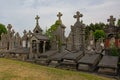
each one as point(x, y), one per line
point(2, 29)
point(52, 28)
point(118, 22)
point(99, 34)
point(94, 27)
point(50, 33)
point(114, 51)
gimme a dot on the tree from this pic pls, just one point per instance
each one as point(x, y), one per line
point(99, 34)
point(52, 28)
point(114, 51)
point(118, 22)
point(51, 31)
point(96, 26)
point(2, 29)
point(93, 27)
point(87, 32)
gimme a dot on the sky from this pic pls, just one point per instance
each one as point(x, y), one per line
point(21, 13)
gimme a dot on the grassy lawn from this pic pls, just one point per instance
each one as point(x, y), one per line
point(16, 70)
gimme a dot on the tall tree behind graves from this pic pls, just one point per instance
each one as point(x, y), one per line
point(118, 22)
point(98, 34)
point(52, 28)
point(2, 29)
point(94, 27)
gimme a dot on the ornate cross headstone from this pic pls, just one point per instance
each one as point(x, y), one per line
point(29, 34)
point(111, 20)
point(9, 27)
point(24, 32)
point(37, 18)
point(78, 15)
point(13, 31)
point(59, 16)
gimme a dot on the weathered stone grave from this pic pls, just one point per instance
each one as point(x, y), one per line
point(108, 65)
point(2, 53)
point(43, 58)
point(91, 58)
point(89, 62)
point(57, 58)
point(70, 60)
point(18, 53)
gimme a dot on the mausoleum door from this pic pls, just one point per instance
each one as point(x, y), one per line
point(41, 46)
point(34, 46)
point(47, 46)
point(8, 46)
point(28, 44)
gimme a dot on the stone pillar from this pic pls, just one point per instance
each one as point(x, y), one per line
point(28, 44)
point(57, 46)
point(37, 52)
point(83, 39)
point(37, 47)
point(44, 44)
point(31, 53)
point(63, 47)
point(23, 43)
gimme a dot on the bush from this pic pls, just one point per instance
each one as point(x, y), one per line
point(114, 51)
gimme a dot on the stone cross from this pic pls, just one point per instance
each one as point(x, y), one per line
point(78, 15)
point(9, 26)
point(111, 20)
point(13, 31)
point(29, 33)
point(24, 32)
point(17, 34)
point(59, 16)
point(37, 18)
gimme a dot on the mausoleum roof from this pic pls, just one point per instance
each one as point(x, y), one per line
point(19, 50)
point(41, 37)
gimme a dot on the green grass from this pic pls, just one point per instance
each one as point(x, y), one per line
point(17, 70)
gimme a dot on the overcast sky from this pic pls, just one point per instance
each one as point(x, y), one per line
point(21, 13)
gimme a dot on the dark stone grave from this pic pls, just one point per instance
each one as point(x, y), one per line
point(2, 54)
point(57, 58)
point(43, 58)
point(70, 60)
point(108, 65)
point(89, 62)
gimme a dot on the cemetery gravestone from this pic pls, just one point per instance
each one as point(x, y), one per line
point(57, 58)
point(70, 60)
point(89, 62)
point(43, 58)
point(108, 65)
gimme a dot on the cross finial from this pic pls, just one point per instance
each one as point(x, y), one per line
point(13, 31)
point(111, 20)
point(17, 34)
point(29, 34)
point(24, 32)
point(37, 18)
point(59, 16)
point(9, 26)
point(78, 15)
